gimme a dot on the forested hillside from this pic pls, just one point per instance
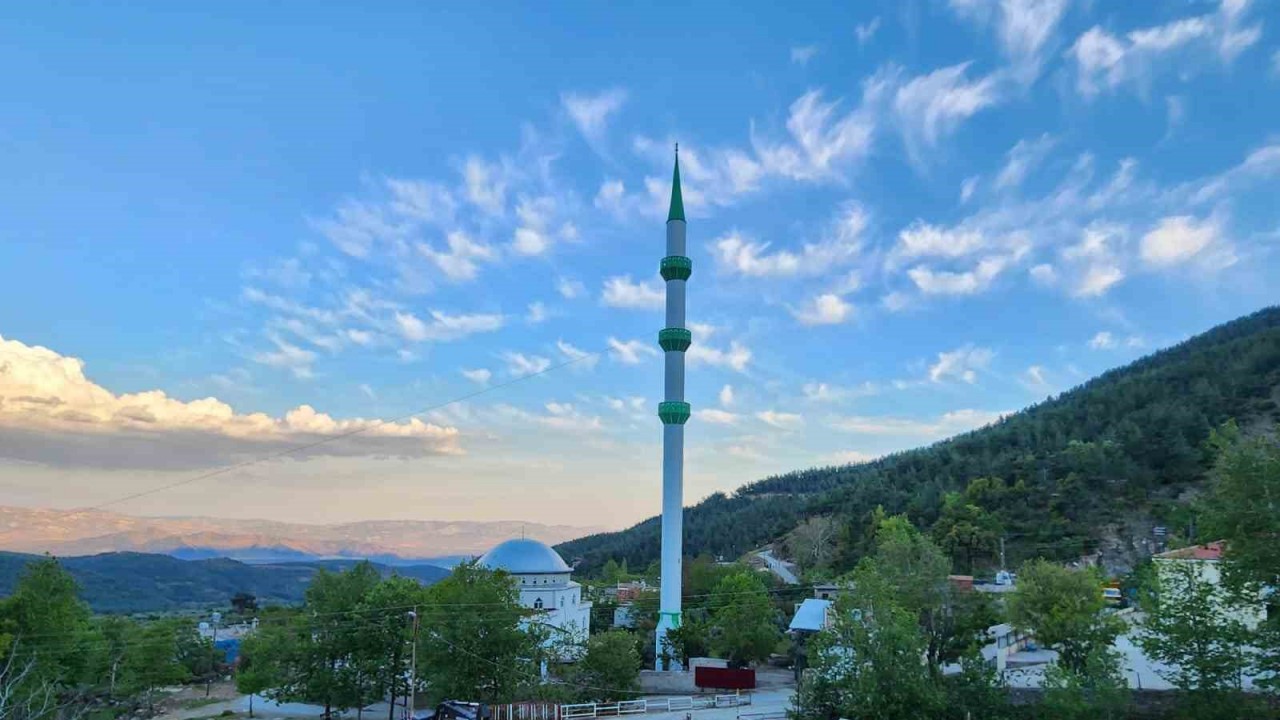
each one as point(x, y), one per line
point(143, 582)
point(1095, 466)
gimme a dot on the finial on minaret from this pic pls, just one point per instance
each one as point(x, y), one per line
point(677, 198)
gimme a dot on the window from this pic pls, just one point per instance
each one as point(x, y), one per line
point(537, 604)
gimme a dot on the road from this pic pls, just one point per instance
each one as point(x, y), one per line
point(781, 568)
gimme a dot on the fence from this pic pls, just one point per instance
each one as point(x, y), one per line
point(646, 705)
point(526, 711)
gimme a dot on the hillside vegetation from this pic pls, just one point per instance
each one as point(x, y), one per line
point(1090, 469)
point(141, 582)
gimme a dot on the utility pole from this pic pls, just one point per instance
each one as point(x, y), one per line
point(1002, 567)
point(213, 654)
point(413, 664)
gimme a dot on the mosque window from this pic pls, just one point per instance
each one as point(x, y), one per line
point(537, 604)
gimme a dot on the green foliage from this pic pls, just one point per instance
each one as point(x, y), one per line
point(976, 691)
point(477, 649)
point(693, 638)
point(1190, 629)
point(745, 627)
point(1092, 691)
point(909, 571)
point(869, 665)
point(1056, 473)
point(1063, 608)
point(129, 582)
point(610, 669)
point(966, 531)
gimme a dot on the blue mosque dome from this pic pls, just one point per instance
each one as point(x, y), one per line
point(524, 557)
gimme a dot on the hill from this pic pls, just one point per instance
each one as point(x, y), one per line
point(1091, 470)
point(139, 582)
point(88, 532)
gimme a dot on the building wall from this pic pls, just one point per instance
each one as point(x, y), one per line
point(1210, 571)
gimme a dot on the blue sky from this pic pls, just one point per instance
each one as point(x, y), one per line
point(906, 218)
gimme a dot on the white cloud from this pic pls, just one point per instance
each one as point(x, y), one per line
point(849, 457)
point(780, 420)
point(1044, 274)
point(867, 30)
point(802, 55)
point(621, 291)
point(51, 413)
point(286, 356)
point(519, 364)
point(1094, 262)
point(726, 396)
point(630, 352)
point(1103, 341)
point(920, 239)
point(1022, 158)
point(459, 262)
point(443, 326)
point(948, 424)
point(1025, 28)
point(478, 375)
point(934, 105)
point(564, 417)
point(1105, 62)
point(485, 185)
point(1177, 239)
point(570, 288)
point(821, 140)
point(717, 417)
point(840, 243)
point(579, 357)
point(823, 392)
point(826, 309)
point(536, 314)
point(963, 363)
point(735, 357)
point(1034, 377)
point(536, 215)
point(967, 188)
point(612, 197)
point(591, 113)
point(944, 282)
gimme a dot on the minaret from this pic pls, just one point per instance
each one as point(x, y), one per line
point(674, 412)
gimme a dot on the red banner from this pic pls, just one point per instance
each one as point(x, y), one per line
point(724, 678)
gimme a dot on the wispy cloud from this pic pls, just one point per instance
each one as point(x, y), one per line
point(622, 292)
point(802, 55)
point(443, 327)
point(867, 30)
point(630, 352)
point(826, 309)
point(963, 363)
point(591, 112)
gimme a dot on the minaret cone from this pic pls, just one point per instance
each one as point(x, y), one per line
point(675, 339)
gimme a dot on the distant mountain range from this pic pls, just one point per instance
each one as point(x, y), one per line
point(88, 532)
point(129, 582)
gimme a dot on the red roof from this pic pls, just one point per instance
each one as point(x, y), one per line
point(1208, 551)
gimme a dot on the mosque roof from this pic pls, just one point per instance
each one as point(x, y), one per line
point(521, 556)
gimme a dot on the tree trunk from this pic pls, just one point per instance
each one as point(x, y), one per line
point(391, 711)
point(250, 704)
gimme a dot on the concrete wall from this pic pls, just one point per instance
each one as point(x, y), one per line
point(667, 683)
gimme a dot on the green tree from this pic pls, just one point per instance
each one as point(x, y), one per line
point(966, 531)
point(1190, 629)
point(912, 573)
point(110, 639)
point(263, 665)
point(47, 621)
point(693, 638)
point(1092, 691)
point(745, 627)
point(868, 665)
point(153, 660)
point(472, 643)
point(1063, 609)
point(384, 648)
point(610, 669)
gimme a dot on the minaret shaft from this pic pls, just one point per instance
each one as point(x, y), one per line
point(674, 411)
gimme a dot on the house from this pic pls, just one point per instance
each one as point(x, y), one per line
point(811, 616)
point(1207, 561)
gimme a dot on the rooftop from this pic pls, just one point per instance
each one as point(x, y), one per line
point(521, 556)
point(1208, 551)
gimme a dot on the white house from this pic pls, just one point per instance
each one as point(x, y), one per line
point(545, 585)
point(1207, 561)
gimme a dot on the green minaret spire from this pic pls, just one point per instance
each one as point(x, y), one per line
point(677, 199)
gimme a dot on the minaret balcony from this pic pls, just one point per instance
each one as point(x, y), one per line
point(676, 267)
point(675, 339)
point(674, 412)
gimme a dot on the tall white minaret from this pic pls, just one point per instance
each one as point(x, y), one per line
point(674, 412)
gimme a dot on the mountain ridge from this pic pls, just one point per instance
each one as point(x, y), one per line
point(88, 532)
point(1083, 471)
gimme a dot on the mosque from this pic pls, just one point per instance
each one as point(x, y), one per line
point(543, 578)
